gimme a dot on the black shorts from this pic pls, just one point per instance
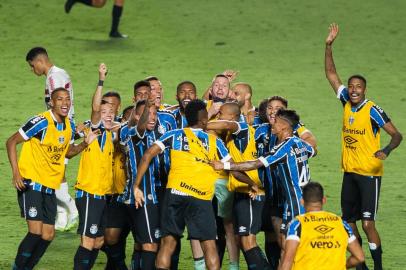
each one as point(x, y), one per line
point(37, 205)
point(145, 223)
point(360, 197)
point(117, 215)
point(92, 216)
point(247, 214)
point(197, 215)
point(270, 209)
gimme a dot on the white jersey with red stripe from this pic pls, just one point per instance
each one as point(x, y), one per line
point(57, 78)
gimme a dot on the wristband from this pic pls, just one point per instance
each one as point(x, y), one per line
point(386, 150)
point(100, 83)
point(227, 165)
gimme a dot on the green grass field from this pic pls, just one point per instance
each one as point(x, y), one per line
point(278, 47)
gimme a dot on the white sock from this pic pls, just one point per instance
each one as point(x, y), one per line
point(63, 196)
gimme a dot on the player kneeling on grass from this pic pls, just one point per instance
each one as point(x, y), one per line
point(247, 208)
point(48, 140)
point(319, 239)
point(94, 180)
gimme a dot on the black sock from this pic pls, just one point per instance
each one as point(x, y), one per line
point(116, 14)
point(26, 249)
point(221, 246)
point(136, 260)
point(376, 255)
point(256, 259)
point(38, 253)
point(273, 253)
point(109, 262)
point(148, 260)
point(95, 253)
point(175, 256)
point(116, 254)
point(82, 259)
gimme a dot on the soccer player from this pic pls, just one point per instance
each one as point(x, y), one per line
point(247, 207)
point(319, 239)
point(56, 77)
point(187, 197)
point(116, 13)
point(362, 154)
point(47, 139)
point(243, 94)
point(273, 209)
point(95, 180)
point(220, 91)
point(158, 92)
point(290, 156)
point(185, 93)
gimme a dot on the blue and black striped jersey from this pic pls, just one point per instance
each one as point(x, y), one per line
point(291, 160)
point(135, 146)
point(181, 121)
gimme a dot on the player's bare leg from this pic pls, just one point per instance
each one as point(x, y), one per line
point(211, 256)
point(374, 242)
point(198, 255)
point(168, 245)
point(232, 244)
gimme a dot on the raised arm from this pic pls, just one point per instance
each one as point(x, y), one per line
point(330, 69)
point(143, 121)
point(97, 96)
point(151, 152)
point(231, 126)
point(11, 145)
point(396, 138)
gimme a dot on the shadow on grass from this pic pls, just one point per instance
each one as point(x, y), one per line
point(105, 44)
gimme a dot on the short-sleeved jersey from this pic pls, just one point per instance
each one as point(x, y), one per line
point(242, 147)
point(136, 145)
point(180, 118)
point(42, 157)
point(166, 121)
point(323, 238)
point(56, 78)
point(190, 152)
point(361, 135)
point(291, 160)
point(95, 174)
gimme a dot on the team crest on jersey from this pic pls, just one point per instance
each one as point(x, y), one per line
point(61, 139)
point(161, 129)
point(93, 229)
point(150, 197)
point(351, 120)
point(157, 233)
point(323, 229)
point(32, 212)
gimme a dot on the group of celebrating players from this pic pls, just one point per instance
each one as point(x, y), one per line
point(219, 166)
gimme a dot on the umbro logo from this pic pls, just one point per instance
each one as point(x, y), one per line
point(242, 229)
point(366, 214)
point(323, 229)
point(350, 140)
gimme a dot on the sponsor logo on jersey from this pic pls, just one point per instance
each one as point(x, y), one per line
point(324, 244)
point(32, 212)
point(93, 229)
point(354, 131)
point(323, 229)
point(350, 140)
point(192, 188)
